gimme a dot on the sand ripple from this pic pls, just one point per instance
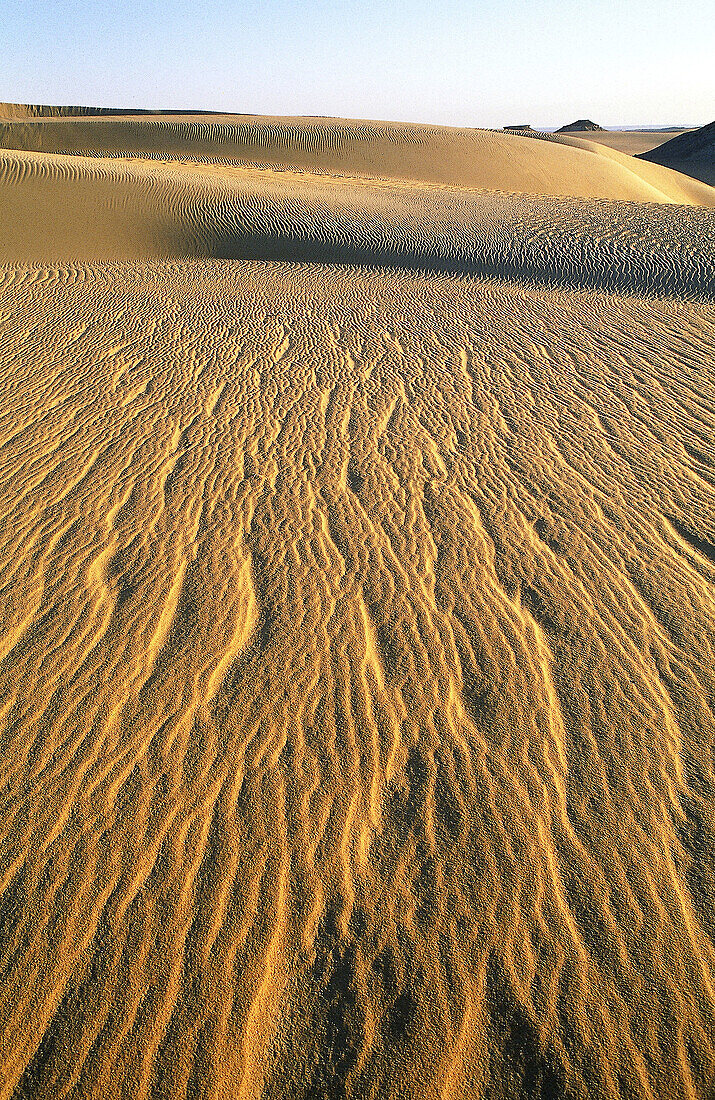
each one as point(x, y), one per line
point(103, 208)
point(358, 636)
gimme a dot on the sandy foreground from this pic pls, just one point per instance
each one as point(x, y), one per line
point(357, 630)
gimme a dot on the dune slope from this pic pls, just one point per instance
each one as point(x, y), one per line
point(631, 142)
point(357, 637)
point(692, 153)
point(568, 166)
point(104, 209)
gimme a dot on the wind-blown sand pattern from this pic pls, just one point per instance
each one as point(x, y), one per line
point(357, 651)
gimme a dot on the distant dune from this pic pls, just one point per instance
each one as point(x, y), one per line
point(693, 143)
point(692, 153)
point(631, 142)
point(13, 111)
point(357, 613)
point(480, 159)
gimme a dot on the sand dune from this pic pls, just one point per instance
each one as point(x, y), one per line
point(692, 143)
point(631, 142)
point(692, 153)
point(357, 631)
point(430, 154)
point(101, 209)
point(42, 110)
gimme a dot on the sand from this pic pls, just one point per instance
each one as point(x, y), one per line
point(692, 153)
point(631, 142)
point(357, 631)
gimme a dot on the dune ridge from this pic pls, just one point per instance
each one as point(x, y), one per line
point(131, 209)
point(19, 111)
point(430, 154)
point(692, 153)
point(357, 622)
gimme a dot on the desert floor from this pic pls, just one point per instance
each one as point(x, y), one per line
point(357, 617)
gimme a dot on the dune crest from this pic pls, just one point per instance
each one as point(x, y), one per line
point(692, 153)
point(102, 209)
point(429, 154)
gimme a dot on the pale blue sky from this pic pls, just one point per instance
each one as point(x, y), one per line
point(546, 62)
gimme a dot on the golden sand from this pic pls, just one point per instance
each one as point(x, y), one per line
point(624, 141)
point(357, 631)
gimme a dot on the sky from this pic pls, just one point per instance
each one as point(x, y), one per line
point(453, 62)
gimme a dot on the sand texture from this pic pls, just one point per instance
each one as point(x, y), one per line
point(357, 625)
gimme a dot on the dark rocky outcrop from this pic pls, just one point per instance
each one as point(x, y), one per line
point(581, 124)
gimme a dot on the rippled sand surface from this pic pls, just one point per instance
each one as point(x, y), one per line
point(357, 641)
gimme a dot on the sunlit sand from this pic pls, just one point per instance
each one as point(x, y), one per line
point(357, 630)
